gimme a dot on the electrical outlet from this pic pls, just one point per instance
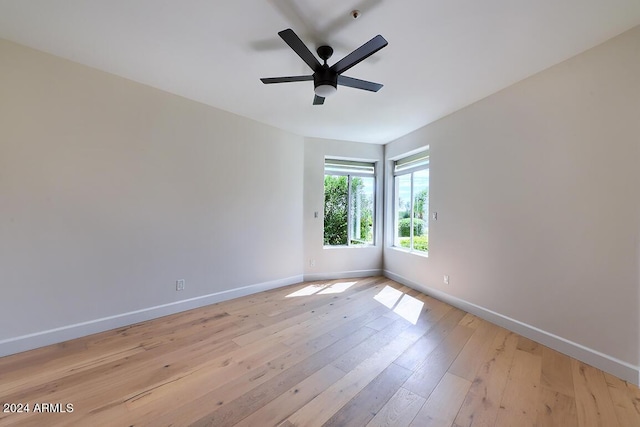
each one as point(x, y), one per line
point(434, 216)
point(312, 262)
point(446, 279)
point(180, 285)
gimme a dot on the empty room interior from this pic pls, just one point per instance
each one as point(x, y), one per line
point(338, 213)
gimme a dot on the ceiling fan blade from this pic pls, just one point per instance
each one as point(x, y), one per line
point(300, 48)
point(360, 54)
point(318, 100)
point(269, 80)
point(359, 84)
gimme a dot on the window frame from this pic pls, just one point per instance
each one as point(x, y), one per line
point(408, 165)
point(350, 168)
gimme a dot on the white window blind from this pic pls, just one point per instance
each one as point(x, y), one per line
point(348, 167)
point(411, 163)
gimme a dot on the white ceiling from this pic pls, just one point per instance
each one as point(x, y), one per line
point(442, 55)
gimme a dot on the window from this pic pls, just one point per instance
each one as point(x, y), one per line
point(411, 212)
point(348, 203)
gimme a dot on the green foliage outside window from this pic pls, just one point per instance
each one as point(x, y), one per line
point(420, 213)
point(404, 227)
point(336, 205)
point(420, 243)
point(336, 211)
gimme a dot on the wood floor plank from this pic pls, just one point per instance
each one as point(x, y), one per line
point(471, 321)
point(470, 359)
point(235, 404)
point(316, 327)
point(261, 386)
point(323, 314)
point(380, 323)
point(82, 353)
point(291, 306)
point(626, 400)
point(111, 380)
point(433, 312)
point(418, 352)
point(556, 409)
point(320, 409)
point(556, 372)
point(431, 371)
point(276, 411)
point(480, 407)
point(593, 401)
point(399, 410)
point(203, 343)
point(209, 372)
point(525, 344)
point(193, 384)
point(443, 404)
point(333, 354)
point(238, 392)
point(366, 404)
point(355, 356)
point(522, 391)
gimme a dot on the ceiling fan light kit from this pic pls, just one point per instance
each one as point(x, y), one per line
point(326, 79)
point(325, 90)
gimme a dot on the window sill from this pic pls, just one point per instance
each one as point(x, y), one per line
point(407, 251)
point(348, 247)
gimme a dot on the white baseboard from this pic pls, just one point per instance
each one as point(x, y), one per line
point(342, 275)
point(605, 362)
point(64, 333)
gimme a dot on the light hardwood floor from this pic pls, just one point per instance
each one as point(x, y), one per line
point(356, 352)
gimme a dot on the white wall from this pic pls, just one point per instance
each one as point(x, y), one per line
point(536, 189)
point(336, 261)
point(111, 190)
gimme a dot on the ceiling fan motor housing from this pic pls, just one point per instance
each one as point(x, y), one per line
point(325, 76)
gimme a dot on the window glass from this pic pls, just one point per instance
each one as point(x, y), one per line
point(411, 203)
point(349, 203)
point(336, 203)
point(361, 210)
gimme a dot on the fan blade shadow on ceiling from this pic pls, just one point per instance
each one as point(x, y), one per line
point(291, 13)
point(308, 31)
point(344, 19)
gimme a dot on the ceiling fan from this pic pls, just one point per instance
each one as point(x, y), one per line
point(326, 79)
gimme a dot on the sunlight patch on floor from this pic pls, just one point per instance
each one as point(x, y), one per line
point(337, 288)
point(388, 296)
point(322, 289)
point(306, 291)
point(406, 306)
point(409, 308)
